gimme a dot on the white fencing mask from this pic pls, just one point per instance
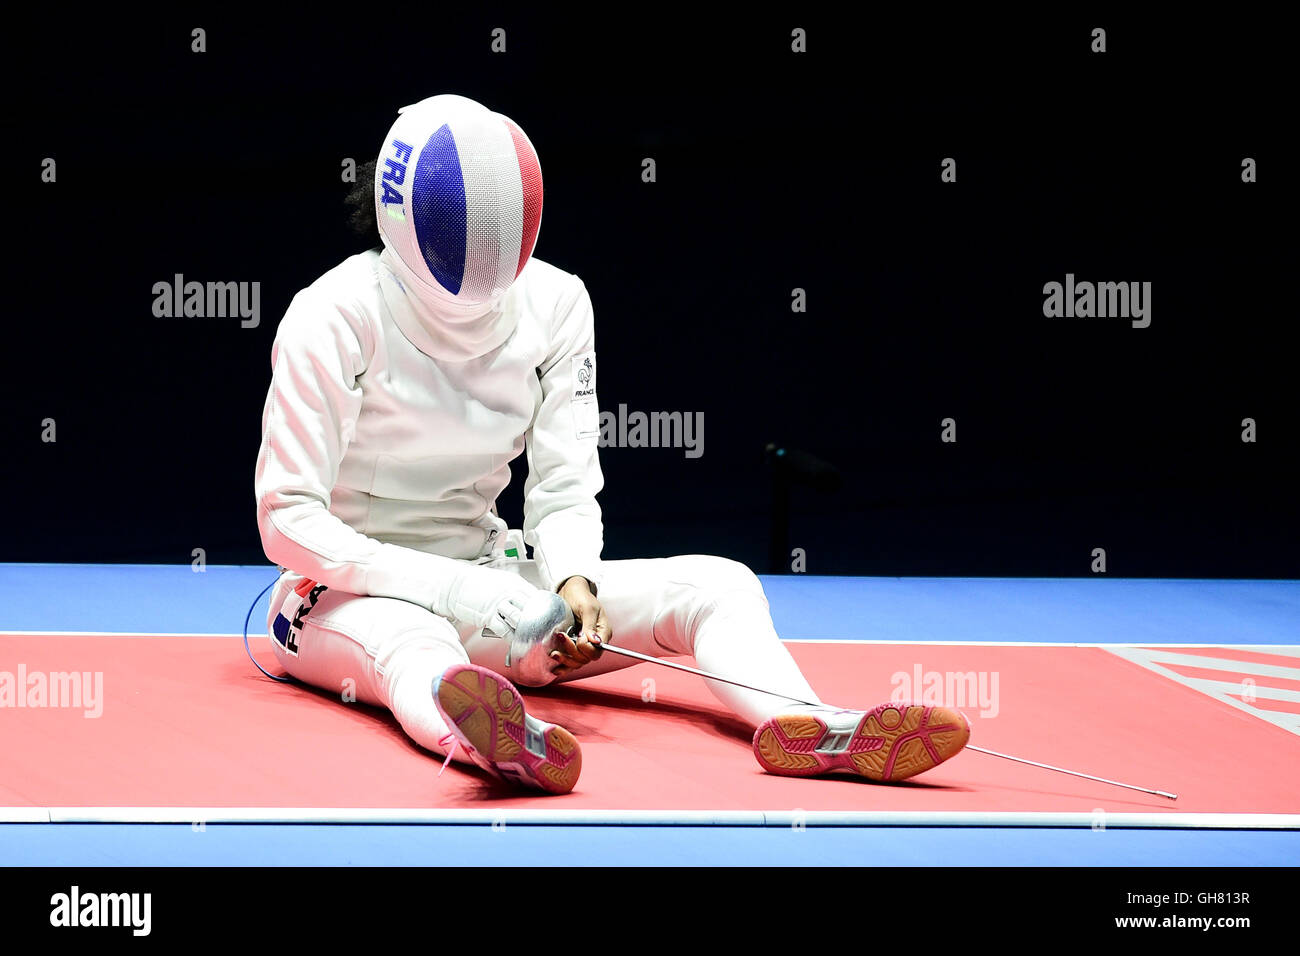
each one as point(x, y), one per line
point(458, 200)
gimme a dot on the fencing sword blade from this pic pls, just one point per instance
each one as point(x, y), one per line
point(699, 673)
point(1073, 773)
point(992, 753)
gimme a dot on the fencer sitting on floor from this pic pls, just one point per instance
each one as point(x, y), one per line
point(404, 382)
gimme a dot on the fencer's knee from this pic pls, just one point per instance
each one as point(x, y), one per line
point(719, 589)
point(719, 577)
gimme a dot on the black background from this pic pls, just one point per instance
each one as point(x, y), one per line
point(298, 905)
point(775, 171)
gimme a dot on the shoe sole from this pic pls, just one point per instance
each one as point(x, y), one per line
point(892, 742)
point(487, 713)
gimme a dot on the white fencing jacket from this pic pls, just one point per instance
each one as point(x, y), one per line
point(380, 464)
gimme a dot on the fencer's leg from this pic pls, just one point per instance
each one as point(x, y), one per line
point(715, 609)
point(709, 608)
point(487, 715)
point(893, 741)
point(890, 742)
point(407, 665)
point(398, 655)
point(664, 606)
point(383, 651)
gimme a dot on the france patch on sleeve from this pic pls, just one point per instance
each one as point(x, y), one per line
point(586, 416)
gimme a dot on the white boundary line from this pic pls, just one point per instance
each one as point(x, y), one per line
point(724, 818)
point(24, 815)
point(1155, 661)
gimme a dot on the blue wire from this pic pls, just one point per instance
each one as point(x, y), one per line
point(247, 649)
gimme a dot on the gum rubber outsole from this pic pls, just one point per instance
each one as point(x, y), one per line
point(892, 742)
point(487, 713)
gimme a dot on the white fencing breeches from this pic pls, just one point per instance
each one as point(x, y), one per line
point(386, 652)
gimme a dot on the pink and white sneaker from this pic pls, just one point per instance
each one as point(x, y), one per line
point(892, 742)
point(486, 715)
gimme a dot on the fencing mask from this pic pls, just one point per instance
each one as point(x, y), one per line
point(458, 199)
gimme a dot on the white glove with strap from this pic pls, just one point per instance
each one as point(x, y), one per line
point(540, 628)
point(484, 598)
point(532, 621)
